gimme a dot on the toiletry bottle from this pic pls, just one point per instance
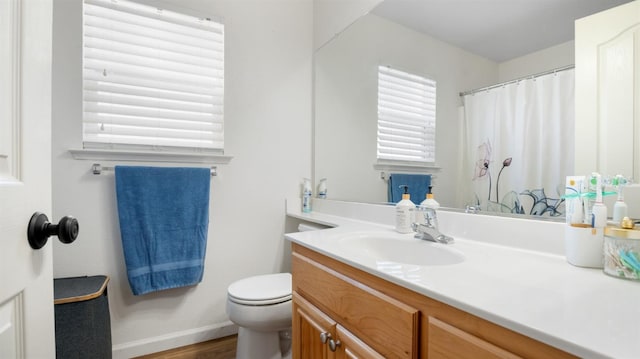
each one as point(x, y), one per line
point(404, 212)
point(429, 201)
point(574, 206)
point(322, 188)
point(599, 210)
point(619, 208)
point(306, 196)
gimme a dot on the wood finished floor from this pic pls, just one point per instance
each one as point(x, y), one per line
point(222, 348)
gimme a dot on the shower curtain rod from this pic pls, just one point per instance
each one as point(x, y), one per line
point(559, 69)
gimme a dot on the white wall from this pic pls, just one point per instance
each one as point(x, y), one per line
point(267, 130)
point(547, 59)
point(346, 104)
point(330, 17)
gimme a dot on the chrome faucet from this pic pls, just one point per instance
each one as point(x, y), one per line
point(428, 230)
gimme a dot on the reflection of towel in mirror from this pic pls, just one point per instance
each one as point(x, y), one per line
point(164, 216)
point(418, 186)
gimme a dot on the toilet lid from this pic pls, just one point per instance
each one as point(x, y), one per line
point(262, 289)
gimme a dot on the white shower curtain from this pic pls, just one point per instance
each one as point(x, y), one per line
point(520, 145)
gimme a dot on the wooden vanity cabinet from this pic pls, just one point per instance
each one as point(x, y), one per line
point(361, 322)
point(447, 341)
point(319, 336)
point(310, 326)
point(368, 317)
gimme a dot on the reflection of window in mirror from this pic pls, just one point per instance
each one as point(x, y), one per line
point(406, 117)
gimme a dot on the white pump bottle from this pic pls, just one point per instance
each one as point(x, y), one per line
point(306, 196)
point(404, 212)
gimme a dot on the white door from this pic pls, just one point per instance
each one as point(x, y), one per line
point(608, 92)
point(26, 279)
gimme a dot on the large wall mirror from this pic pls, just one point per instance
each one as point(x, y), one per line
point(459, 48)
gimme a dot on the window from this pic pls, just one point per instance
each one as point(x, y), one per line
point(152, 78)
point(406, 117)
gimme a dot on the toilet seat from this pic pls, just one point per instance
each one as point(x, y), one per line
point(261, 290)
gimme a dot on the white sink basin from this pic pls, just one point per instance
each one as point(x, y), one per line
point(403, 249)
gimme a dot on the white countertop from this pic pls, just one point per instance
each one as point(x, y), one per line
point(533, 292)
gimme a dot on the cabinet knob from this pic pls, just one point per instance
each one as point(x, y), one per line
point(334, 344)
point(324, 337)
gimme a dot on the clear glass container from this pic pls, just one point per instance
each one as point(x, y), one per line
point(622, 252)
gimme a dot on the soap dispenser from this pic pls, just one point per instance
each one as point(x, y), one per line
point(429, 201)
point(322, 189)
point(306, 196)
point(404, 212)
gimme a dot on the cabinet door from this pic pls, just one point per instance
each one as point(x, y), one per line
point(447, 341)
point(310, 327)
point(384, 323)
point(350, 347)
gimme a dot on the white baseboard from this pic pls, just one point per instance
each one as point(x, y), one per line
point(173, 340)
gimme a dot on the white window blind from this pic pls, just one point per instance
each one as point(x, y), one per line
point(406, 116)
point(152, 78)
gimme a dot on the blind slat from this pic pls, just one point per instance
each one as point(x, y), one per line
point(419, 98)
point(122, 89)
point(159, 38)
point(406, 116)
point(136, 13)
point(394, 133)
point(149, 102)
point(101, 49)
point(410, 87)
point(151, 122)
point(151, 77)
point(154, 84)
point(398, 75)
point(397, 106)
point(116, 109)
point(214, 50)
point(149, 132)
point(402, 143)
point(148, 70)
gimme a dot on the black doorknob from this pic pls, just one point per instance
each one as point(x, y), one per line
point(40, 229)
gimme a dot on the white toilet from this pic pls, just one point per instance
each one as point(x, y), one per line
point(261, 307)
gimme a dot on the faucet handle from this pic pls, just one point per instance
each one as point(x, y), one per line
point(472, 209)
point(444, 239)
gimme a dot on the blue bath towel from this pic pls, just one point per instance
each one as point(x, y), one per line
point(418, 186)
point(164, 216)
